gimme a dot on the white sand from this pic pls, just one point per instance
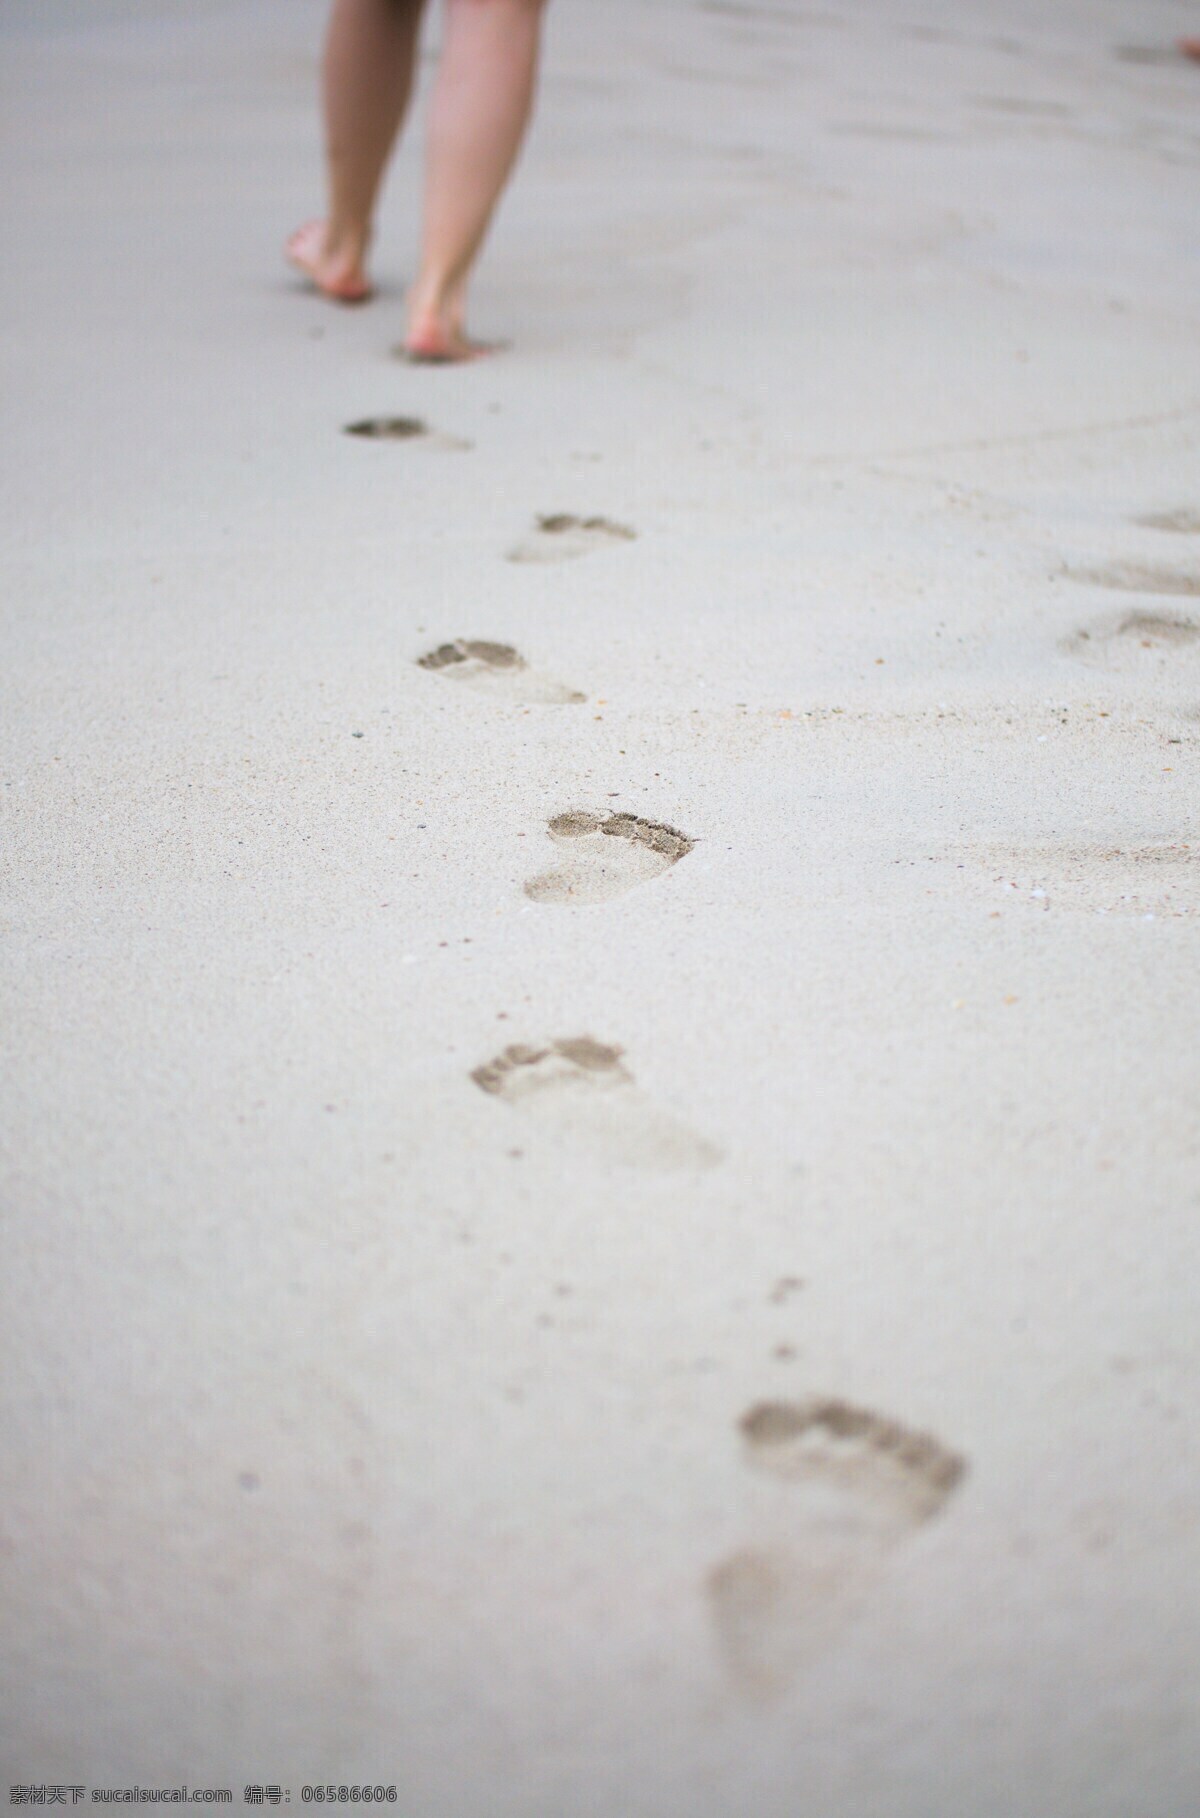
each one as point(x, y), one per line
point(365, 1425)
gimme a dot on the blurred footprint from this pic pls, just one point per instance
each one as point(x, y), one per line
point(1146, 53)
point(559, 537)
point(1160, 878)
point(859, 1485)
point(1183, 523)
point(579, 1088)
point(606, 855)
point(403, 429)
point(499, 670)
point(1139, 643)
point(1138, 577)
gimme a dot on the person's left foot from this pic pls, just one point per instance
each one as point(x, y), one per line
point(336, 272)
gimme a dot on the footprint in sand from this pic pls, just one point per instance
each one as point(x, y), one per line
point(499, 670)
point(558, 537)
point(1158, 880)
point(1139, 577)
point(1183, 523)
point(1140, 642)
point(857, 1486)
point(403, 429)
point(580, 1089)
point(605, 855)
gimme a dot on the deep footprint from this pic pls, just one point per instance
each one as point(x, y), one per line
point(559, 537)
point(581, 1090)
point(606, 856)
point(497, 669)
point(859, 1485)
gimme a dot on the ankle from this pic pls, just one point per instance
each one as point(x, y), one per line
point(345, 242)
point(434, 299)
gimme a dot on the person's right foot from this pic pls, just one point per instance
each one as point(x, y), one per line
point(437, 331)
point(431, 343)
point(337, 274)
point(1190, 48)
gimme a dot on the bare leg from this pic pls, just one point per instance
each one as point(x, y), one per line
point(370, 54)
point(481, 104)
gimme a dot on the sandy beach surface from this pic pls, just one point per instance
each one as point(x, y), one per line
point(604, 1224)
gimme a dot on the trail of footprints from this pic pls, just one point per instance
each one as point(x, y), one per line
point(854, 1485)
point(574, 1088)
point(848, 1489)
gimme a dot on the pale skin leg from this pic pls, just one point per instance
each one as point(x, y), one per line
point(481, 103)
point(367, 76)
point(480, 108)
